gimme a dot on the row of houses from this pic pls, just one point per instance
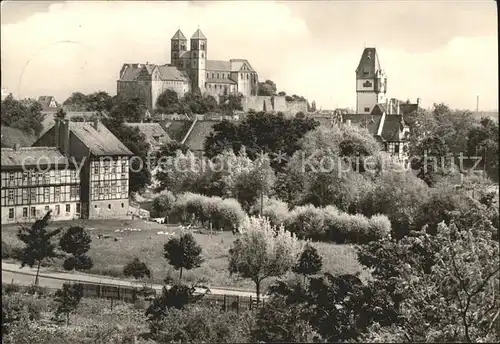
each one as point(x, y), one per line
point(75, 169)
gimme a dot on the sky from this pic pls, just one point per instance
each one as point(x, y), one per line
point(439, 51)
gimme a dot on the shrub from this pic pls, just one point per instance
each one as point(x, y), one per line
point(17, 308)
point(225, 214)
point(274, 209)
point(380, 227)
point(306, 222)
point(6, 250)
point(197, 324)
point(162, 204)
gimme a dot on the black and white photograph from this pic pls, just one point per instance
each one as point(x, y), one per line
point(250, 171)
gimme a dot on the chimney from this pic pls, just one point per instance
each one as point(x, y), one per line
point(418, 101)
point(17, 146)
point(397, 107)
point(387, 106)
point(62, 136)
point(96, 124)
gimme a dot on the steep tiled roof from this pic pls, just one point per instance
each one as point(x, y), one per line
point(171, 73)
point(200, 132)
point(100, 142)
point(379, 109)
point(368, 121)
point(393, 127)
point(222, 81)
point(179, 36)
point(176, 130)
point(224, 66)
point(198, 35)
point(49, 119)
point(369, 62)
point(236, 65)
point(13, 136)
point(151, 130)
point(131, 72)
point(29, 156)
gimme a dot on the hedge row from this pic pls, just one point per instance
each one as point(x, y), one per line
point(330, 224)
point(224, 214)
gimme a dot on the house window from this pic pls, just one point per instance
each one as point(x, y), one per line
point(57, 193)
point(217, 75)
point(46, 178)
point(367, 84)
point(396, 148)
point(25, 195)
point(123, 205)
point(96, 169)
point(47, 208)
point(109, 206)
point(68, 208)
point(46, 194)
point(11, 195)
point(11, 213)
point(367, 109)
point(33, 195)
point(25, 177)
point(58, 210)
point(25, 212)
point(212, 75)
point(78, 208)
point(33, 211)
point(11, 176)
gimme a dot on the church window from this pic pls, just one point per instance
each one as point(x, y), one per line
point(247, 76)
point(202, 56)
point(202, 47)
point(207, 76)
point(194, 54)
point(241, 75)
point(217, 75)
point(367, 109)
point(212, 75)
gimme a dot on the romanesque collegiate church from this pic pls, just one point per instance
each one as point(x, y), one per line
point(188, 71)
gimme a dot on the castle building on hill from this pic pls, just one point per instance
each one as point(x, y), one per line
point(188, 71)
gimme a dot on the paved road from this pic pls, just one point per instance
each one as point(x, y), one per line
point(51, 279)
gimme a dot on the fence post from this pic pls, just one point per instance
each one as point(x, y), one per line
point(250, 308)
point(237, 304)
point(225, 307)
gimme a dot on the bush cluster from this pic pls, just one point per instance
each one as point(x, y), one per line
point(331, 224)
point(224, 214)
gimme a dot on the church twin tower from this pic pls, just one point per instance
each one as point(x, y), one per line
point(194, 61)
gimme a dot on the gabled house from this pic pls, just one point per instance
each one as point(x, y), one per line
point(104, 162)
point(49, 104)
point(154, 133)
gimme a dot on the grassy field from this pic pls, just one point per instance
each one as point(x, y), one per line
point(110, 256)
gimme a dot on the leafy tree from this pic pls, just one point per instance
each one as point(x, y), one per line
point(231, 102)
point(136, 269)
point(310, 262)
point(444, 287)
point(163, 203)
point(482, 140)
point(75, 241)
point(38, 243)
point(80, 262)
point(170, 149)
point(262, 251)
point(61, 114)
point(267, 88)
point(397, 195)
point(128, 109)
point(178, 296)
point(259, 133)
point(168, 102)
point(183, 253)
point(25, 116)
point(338, 308)
point(279, 322)
point(68, 299)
